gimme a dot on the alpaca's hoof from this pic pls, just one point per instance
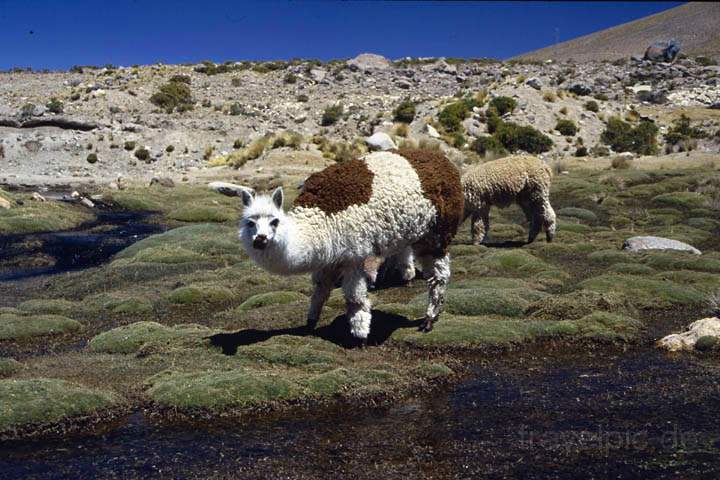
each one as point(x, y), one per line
point(426, 327)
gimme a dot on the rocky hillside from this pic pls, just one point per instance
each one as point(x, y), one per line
point(694, 25)
point(98, 124)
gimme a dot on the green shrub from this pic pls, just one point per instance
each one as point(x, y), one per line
point(623, 137)
point(681, 131)
point(180, 79)
point(502, 105)
point(55, 105)
point(129, 146)
point(236, 109)
point(92, 158)
point(331, 115)
point(453, 114)
point(601, 96)
point(592, 106)
point(290, 78)
point(302, 98)
point(566, 127)
point(485, 144)
point(142, 154)
point(172, 96)
point(170, 149)
point(581, 152)
point(405, 112)
point(516, 137)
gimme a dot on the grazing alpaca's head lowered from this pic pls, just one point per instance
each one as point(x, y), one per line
point(388, 203)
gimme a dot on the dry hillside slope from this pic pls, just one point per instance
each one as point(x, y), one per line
point(695, 25)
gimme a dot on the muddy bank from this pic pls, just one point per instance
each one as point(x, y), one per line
point(601, 413)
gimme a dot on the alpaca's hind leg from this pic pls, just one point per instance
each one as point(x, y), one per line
point(437, 273)
point(480, 224)
point(548, 220)
point(324, 282)
point(358, 306)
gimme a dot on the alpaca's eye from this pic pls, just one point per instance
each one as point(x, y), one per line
point(250, 224)
point(275, 222)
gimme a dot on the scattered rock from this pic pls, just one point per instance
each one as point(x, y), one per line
point(229, 189)
point(431, 131)
point(37, 197)
point(369, 61)
point(162, 181)
point(580, 89)
point(637, 244)
point(5, 203)
point(707, 327)
point(380, 141)
point(534, 82)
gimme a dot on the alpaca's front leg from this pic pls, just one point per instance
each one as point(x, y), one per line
point(324, 281)
point(437, 272)
point(358, 306)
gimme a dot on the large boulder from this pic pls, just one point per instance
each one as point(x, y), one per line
point(662, 51)
point(368, 62)
point(380, 141)
point(637, 244)
point(707, 327)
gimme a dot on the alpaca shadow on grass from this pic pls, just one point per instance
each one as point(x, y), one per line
point(506, 244)
point(338, 332)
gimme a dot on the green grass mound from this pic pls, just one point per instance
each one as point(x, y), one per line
point(33, 216)
point(565, 227)
point(126, 306)
point(148, 336)
point(685, 200)
point(645, 292)
point(682, 261)
point(294, 351)
point(579, 213)
point(631, 268)
point(609, 257)
point(608, 326)
point(483, 301)
point(703, 282)
point(195, 294)
point(204, 214)
point(457, 251)
point(271, 298)
point(49, 306)
point(9, 366)
point(220, 390)
point(575, 305)
point(36, 402)
point(15, 327)
point(182, 200)
point(517, 262)
point(193, 243)
point(704, 223)
point(341, 380)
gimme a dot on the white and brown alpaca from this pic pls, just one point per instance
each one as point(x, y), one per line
point(521, 179)
point(383, 204)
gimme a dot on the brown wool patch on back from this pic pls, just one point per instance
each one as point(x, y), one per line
point(441, 185)
point(337, 187)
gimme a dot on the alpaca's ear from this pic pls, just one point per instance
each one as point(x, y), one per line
point(248, 196)
point(277, 197)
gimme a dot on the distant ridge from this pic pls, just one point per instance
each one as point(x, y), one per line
point(695, 25)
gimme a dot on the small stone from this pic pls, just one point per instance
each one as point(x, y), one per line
point(87, 202)
point(5, 204)
point(37, 197)
point(162, 181)
point(431, 131)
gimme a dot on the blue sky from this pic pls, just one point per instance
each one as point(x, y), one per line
point(57, 34)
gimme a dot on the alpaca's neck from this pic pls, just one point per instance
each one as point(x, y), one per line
point(296, 249)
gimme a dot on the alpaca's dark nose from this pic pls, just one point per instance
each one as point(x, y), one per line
point(260, 242)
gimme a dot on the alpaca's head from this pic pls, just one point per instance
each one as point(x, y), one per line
point(262, 219)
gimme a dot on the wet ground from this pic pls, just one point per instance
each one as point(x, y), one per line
point(89, 245)
point(544, 414)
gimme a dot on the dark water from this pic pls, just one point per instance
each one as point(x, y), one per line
point(87, 246)
point(585, 414)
